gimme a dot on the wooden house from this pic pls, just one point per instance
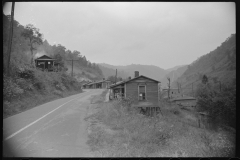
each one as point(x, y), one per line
point(85, 85)
point(143, 90)
point(46, 63)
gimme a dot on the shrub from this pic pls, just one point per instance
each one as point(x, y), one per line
point(10, 88)
point(221, 106)
point(57, 92)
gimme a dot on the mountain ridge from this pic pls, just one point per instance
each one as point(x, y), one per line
point(128, 70)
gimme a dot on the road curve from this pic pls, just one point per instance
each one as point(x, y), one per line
point(54, 129)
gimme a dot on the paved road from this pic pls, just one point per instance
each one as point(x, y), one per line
point(54, 129)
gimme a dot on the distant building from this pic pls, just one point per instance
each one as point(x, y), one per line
point(99, 84)
point(85, 85)
point(173, 93)
point(46, 63)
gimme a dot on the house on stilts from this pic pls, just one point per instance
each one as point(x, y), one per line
point(144, 91)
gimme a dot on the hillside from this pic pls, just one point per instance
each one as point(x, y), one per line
point(26, 86)
point(174, 68)
point(218, 65)
point(21, 54)
point(146, 70)
point(111, 71)
point(173, 74)
point(82, 68)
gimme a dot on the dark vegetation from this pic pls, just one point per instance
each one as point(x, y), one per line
point(26, 86)
point(219, 101)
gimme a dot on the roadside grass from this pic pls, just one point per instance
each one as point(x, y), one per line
point(120, 131)
point(31, 100)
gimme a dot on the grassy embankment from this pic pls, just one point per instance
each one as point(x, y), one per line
point(33, 88)
point(116, 130)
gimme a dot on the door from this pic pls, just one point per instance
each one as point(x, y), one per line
point(142, 93)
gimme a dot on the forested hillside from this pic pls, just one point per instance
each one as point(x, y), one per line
point(107, 72)
point(21, 54)
point(26, 86)
point(218, 65)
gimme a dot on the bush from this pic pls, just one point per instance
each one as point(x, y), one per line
point(221, 106)
point(57, 92)
point(10, 88)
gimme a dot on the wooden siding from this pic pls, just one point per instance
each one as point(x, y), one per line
point(151, 90)
point(104, 85)
point(132, 90)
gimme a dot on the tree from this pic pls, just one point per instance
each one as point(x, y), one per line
point(35, 37)
point(10, 39)
point(204, 79)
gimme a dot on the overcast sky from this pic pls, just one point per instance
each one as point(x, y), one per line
point(164, 34)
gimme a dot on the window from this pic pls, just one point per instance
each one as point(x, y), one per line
point(142, 93)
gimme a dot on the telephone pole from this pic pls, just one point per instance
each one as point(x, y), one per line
point(10, 40)
point(192, 89)
point(72, 64)
point(116, 77)
point(168, 86)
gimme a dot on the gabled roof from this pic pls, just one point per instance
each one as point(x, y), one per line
point(126, 81)
point(44, 57)
point(86, 83)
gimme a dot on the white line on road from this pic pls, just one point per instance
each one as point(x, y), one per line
point(12, 135)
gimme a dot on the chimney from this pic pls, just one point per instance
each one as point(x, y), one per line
point(136, 74)
point(129, 77)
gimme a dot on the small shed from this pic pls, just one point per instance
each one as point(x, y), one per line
point(140, 89)
point(46, 63)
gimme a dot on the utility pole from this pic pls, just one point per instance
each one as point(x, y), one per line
point(72, 64)
point(72, 67)
point(116, 77)
point(10, 40)
point(168, 86)
point(192, 89)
